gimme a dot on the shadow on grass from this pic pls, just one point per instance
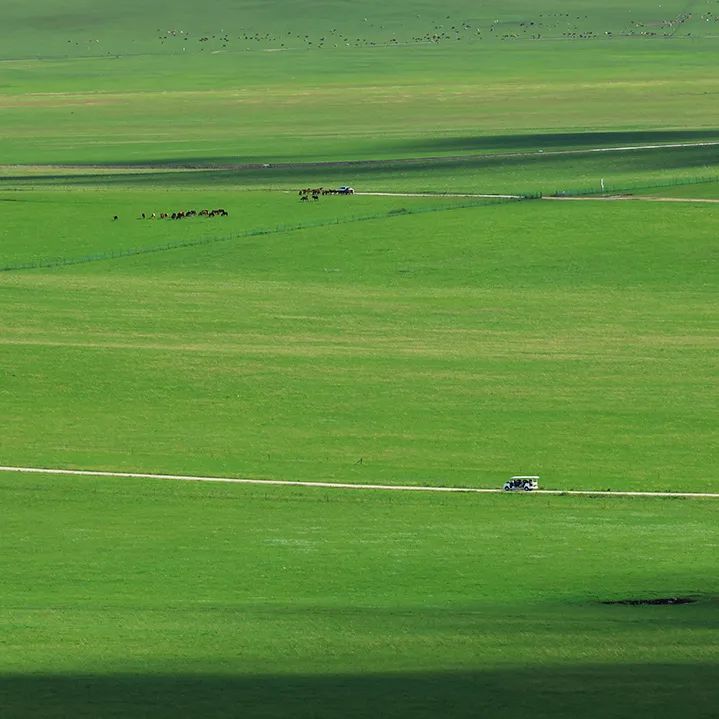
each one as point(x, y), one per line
point(523, 171)
point(558, 141)
point(393, 152)
point(628, 690)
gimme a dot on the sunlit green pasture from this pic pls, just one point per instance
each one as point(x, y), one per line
point(436, 102)
point(700, 190)
point(131, 597)
point(105, 84)
point(479, 110)
point(455, 346)
point(69, 224)
point(440, 340)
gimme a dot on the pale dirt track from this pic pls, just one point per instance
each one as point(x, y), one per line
point(440, 195)
point(340, 485)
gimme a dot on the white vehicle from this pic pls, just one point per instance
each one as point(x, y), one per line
point(345, 190)
point(522, 483)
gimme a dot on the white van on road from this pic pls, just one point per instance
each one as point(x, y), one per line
point(522, 482)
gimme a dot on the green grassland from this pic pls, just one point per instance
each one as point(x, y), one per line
point(441, 113)
point(453, 347)
point(700, 190)
point(127, 598)
point(80, 220)
point(219, 109)
point(440, 340)
point(150, 100)
point(551, 172)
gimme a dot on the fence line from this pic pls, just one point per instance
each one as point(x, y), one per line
point(610, 189)
point(49, 263)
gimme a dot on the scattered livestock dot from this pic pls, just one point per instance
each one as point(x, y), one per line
point(316, 192)
point(181, 214)
point(542, 26)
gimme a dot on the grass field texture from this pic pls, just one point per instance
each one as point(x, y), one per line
point(455, 346)
point(140, 85)
point(440, 340)
point(159, 598)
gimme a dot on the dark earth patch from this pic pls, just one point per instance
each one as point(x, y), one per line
point(652, 602)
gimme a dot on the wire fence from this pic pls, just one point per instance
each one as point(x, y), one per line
point(47, 263)
point(609, 189)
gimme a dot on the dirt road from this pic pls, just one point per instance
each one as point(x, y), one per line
point(341, 485)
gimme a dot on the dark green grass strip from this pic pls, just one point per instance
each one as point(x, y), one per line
point(591, 690)
point(128, 252)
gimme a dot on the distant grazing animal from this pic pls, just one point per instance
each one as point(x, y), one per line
point(182, 214)
point(114, 218)
point(311, 191)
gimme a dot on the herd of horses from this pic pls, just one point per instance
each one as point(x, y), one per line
point(184, 213)
point(316, 192)
point(305, 194)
